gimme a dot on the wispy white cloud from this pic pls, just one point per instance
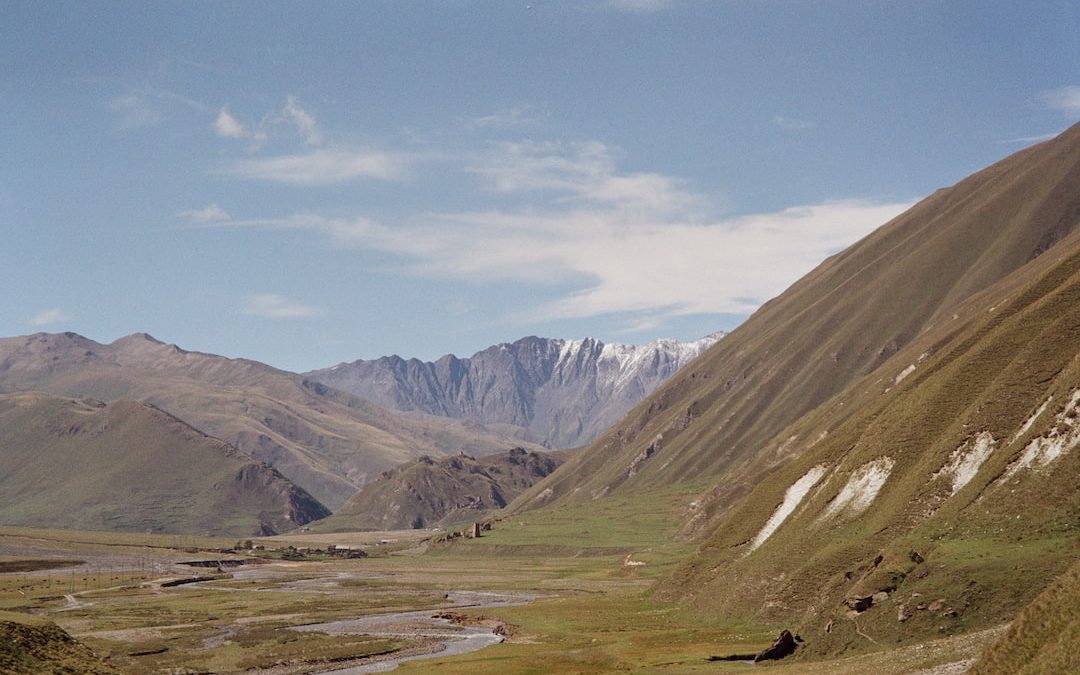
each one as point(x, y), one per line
point(582, 173)
point(292, 116)
point(1065, 99)
point(514, 117)
point(226, 125)
point(211, 214)
point(173, 97)
point(645, 266)
point(147, 106)
point(321, 167)
point(303, 120)
point(135, 111)
point(1030, 139)
point(47, 317)
point(643, 245)
point(792, 123)
point(638, 6)
point(274, 306)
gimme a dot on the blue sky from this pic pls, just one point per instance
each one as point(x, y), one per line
point(309, 184)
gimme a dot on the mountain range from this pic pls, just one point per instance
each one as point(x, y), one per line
point(314, 444)
point(559, 393)
point(327, 442)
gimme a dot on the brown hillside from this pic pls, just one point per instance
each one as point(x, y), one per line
point(128, 466)
point(950, 474)
point(328, 442)
point(437, 493)
point(840, 322)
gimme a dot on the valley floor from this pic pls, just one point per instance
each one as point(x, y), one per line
point(582, 605)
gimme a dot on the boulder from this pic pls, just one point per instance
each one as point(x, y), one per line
point(783, 646)
point(859, 603)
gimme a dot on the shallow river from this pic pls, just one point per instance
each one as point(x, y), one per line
point(455, 639)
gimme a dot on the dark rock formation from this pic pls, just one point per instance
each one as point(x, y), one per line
point(783, 646)
point(437, 493)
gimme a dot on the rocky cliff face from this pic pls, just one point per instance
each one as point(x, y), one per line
point(562, 393)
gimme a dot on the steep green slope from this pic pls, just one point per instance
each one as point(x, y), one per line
point(1043, 637)
point(937, 495)
point(127, 466)
point(429, 492)
point(328, 442)
point(840, 322)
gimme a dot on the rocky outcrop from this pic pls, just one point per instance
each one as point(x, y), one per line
point(783, 646)
point(32, 645)
point(434, 493)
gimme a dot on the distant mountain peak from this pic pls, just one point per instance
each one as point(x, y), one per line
point(137, 337)
point(560, 392)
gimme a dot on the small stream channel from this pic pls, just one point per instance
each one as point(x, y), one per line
point(455, 639)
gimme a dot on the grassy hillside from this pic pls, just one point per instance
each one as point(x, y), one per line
point(328, 442)
point(956, 484)
point(32, 645)
point(840, 322)
point(429, 492)
point(1043, 637)
point(891, 442)
point(128, 466)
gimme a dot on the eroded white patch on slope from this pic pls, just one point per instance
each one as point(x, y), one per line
point(792, 498)
point(1062, 437)
point(861, 488)
point(903, 373)
point(966, 460)
point(1031, 420)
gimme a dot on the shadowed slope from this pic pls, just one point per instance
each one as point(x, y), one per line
point(128, 466)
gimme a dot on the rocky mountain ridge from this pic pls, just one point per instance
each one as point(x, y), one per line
point(561, 393)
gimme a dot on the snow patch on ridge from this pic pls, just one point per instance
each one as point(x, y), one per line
point(792, 498)
point(966, 460)
point(620, 365)
point(1060, 439)
point(861, 488)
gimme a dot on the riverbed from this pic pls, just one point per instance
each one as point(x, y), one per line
point(454, 639)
